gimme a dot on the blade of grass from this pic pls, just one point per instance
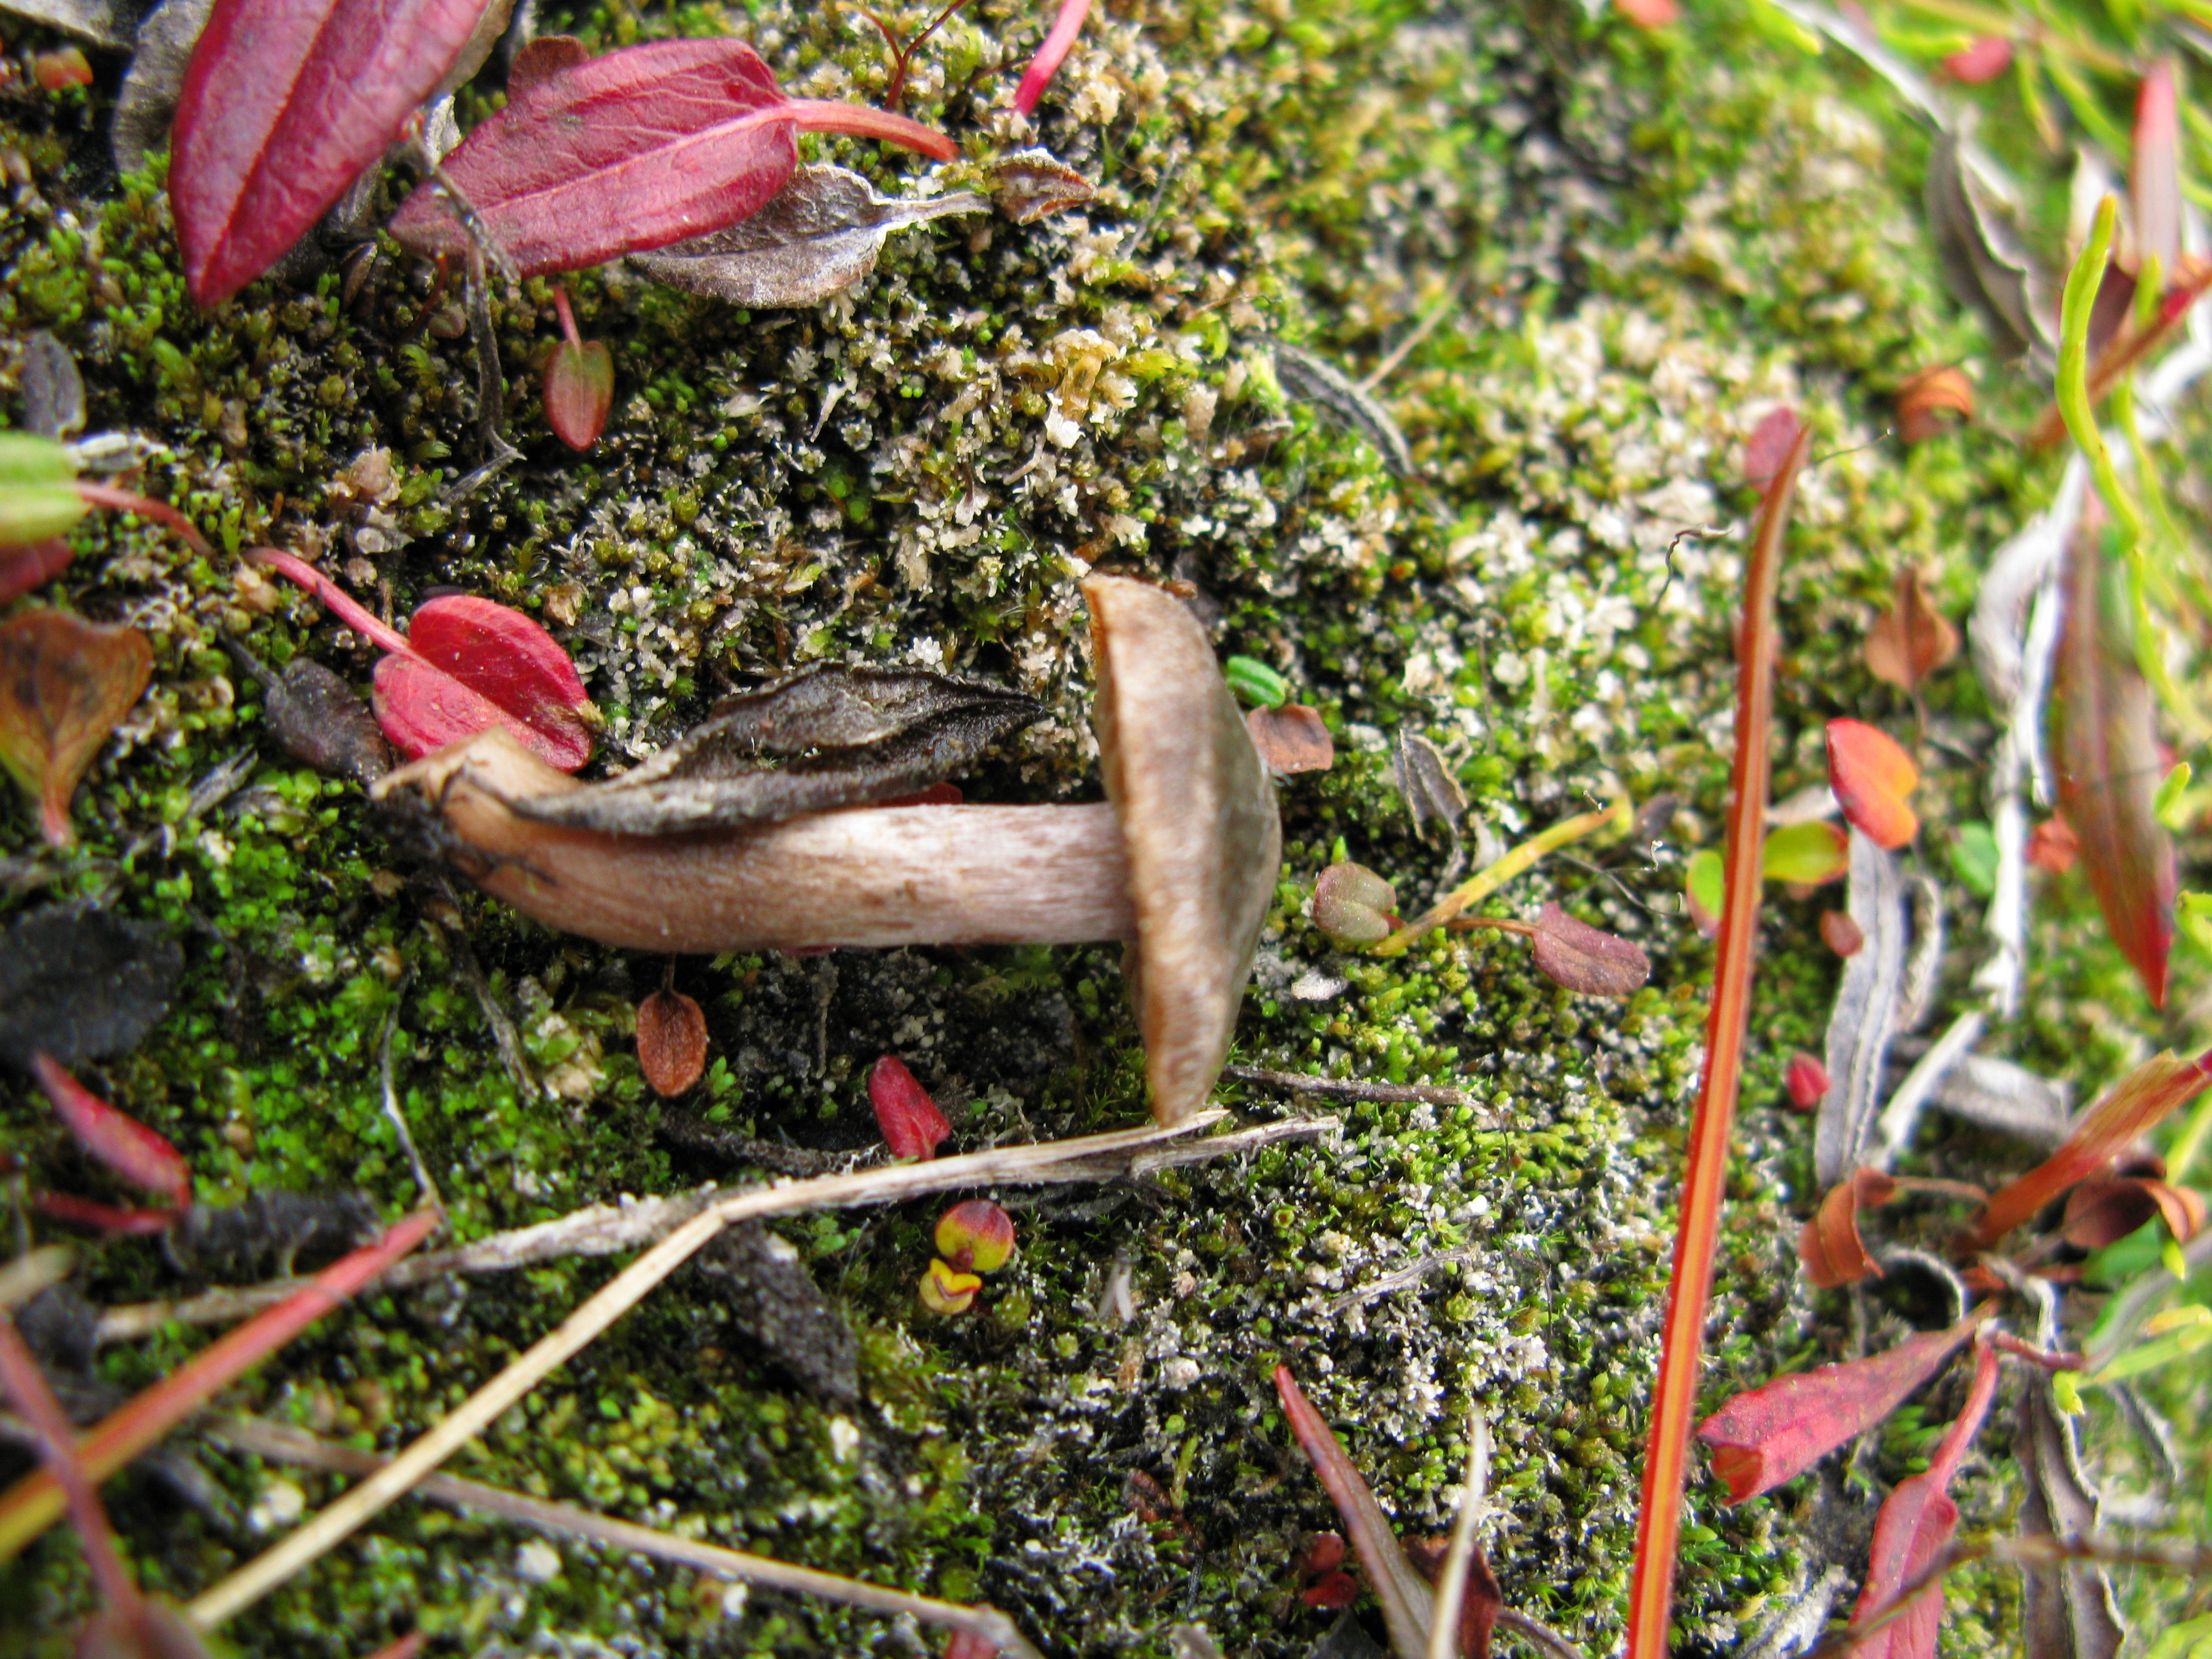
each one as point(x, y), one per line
point(1674, 1395)
point(2073, 388)
point(34, 1502)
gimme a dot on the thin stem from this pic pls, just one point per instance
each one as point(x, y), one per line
point(1538, 1634)
point(859, 121)
point(1347, 1088)
point(1482, 884)
point(1459, 1559)
point(26, 1385)
point(1659, 1519)
point(1496, 924)
point(343, 604)
point(568, 317)
point(128, 500)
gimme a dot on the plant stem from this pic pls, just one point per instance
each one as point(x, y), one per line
point(1482, 884)
point(568, 317)
point(1674, 1394)
point(859, 121)
point(348, 610)
point(22, 1382)
point(128, 500)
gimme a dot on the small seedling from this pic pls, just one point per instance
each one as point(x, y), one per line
point(975, 1236)
point(579, 382)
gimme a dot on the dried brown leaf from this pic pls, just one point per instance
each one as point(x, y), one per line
point(1989, 267)
point(671, 1040)
point(816, 237)
point(64, 684)
point(1424, 779)
point(1830, 1246)
point(1933, 401)
point(2067, 1610)
point(1587, 959)
point(1910, 640)
point(319, 722)
point(1030, 184)
point(1292, 739)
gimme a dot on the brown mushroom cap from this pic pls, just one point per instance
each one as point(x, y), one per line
point(1198, 824)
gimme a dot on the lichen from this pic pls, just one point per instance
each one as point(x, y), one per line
point(1637, 245)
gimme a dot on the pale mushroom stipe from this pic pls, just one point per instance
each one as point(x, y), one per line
point(1180, 862)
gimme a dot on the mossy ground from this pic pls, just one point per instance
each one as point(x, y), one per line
point(1641, 243)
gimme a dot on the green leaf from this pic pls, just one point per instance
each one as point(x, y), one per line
point(1807, 853)
point(1707, 888)
point(2163, 807)
point(2184, 1330)
point(1256, 682)
point(1974, 858)
point(36, 499)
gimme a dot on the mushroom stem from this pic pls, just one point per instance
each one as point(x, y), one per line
point(870, 877)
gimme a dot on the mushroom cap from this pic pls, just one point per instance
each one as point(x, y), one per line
point(1199, 823)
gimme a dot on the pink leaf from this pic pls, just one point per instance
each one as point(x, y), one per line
point(908, 1118)
point(1059, 40)
point(1985, 58)
point(579, 383)
point(1914, 1529)
point(634, 150)
point(284, 104)
point(1649, 13)
point(1770, 443)
point(2155, 177)
point(107, 1217)
point(23, 569)
point(120, 1141)
point(511, 663)
point(1807, 1079)
point(1775, 1433)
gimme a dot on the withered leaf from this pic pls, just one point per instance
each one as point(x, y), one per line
point(1290, 739)
point(80, 982)
point(319, 722)
point(1030, 184)
point(107, 21)
point(816, 237)
point(1352, 905)
point(1307, 378)
point(1830, 1245)
point(1986, 262)
point(1425, 780)
point(1910, 640)
point(774, 1301)
point(64, 684)
point(156, 79)
point(1934, 401)
point(671, 1041)
point(837, 737)
point(1587, 959)
point(53, 391)
point(2067, 1610)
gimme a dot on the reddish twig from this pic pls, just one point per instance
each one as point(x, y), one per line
point(127, 501)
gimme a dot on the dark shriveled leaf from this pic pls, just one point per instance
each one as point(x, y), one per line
point(837, 737)
point(1586, 959)
point(80, 982)
point(319, 721)
point(1310, 380)
point(155, 79)
point(818, 236)
point(774, 1303)
point(2067, 1610)
point(1985, 261)
point(2105, 747)
point(1290, 739)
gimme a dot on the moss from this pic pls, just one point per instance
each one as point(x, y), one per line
point(1637, 242)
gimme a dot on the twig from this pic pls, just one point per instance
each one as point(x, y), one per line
point(1399, 1280)
point(426, 1190)
point(1414, 336)
point(285, 1444)
point(25, 1384)
point(1018, 1165)
point(1451, 1582)
point(609, 1228)
point(1482, 884)
point(1347, 1088)
point(33, 1272)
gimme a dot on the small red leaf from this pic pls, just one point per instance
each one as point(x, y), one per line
point(579, 389)
point(1871, 776)
point(1649, 13)
point(2053, 846)
point(1841, 934)
point(1807, 1081)
point(23, 569)
point(473, 663)
point(632, 150)
point(1331, 1590)
point(1769, 442)
point(2104, 746)
point(2155, 173)
point(1059, 40)
point(1775, 1433)
point(975, 1236)
point(1352, 905)
point(1988, 57)
point(1292, 739)
point(1830, 1247)
point(671, 1041)
point(60, 69)
point(1913, 1530)
point(1583, 959)
point(138, 1154)
point(911, 1124)
point(284, 104)
point(107, 1217)
point(64, 684)
point(2158, 1086)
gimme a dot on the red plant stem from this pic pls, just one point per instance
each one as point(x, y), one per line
point(1674, 1395)
point(859, 121)
point(568, 317)
point(34, 1502)
point(348, 609)
point(1058, 43)
point(2004, 1342)
point(126, 500)
point(25, 1384)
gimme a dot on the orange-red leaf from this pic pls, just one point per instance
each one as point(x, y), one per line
point(64, 684)
point(2104, 1211)
point(141, 1156)
point(1775, 1433)
point(2053, 846)
point(2104, 748)
point(1830, 1246)
point(1934, 400)
point(911, 1124)
point(1808, 1080)
point(1910, 640)
point(1871, 776)
point(671, 1041)
point(2139, 1100)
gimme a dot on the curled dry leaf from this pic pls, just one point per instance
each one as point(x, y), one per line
point(1910, 640)
point(141, 1156)
point(77, 981)
point(52, 388)
point(818, 236)
point(1424, 778)
point(1934, 401)
point(911, 1124)
point(2104, 1211)
point(634, 150)
point(1830, 1246)
point(1352, 905)
point(1774, 1433)
point(1292, 739)
point(1030, 184)
point(1871, 776)
point(2067, 1607)
point(319, 722)
point(64, 684)
point(1988, 265)
point(1807, 1080)
point(1841, 934)
point(1583, 959)
point(671, 1041)
point(1307, 378)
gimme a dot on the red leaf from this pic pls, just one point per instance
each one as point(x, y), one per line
point(1807, 1079)
point(1769, 442)
point(2053, 846)
point(1913, 1530)
point(60, 69)
point(140, 1156)
point(23, 569)
point(1830, 1247)
point(2158, 1086)
point(285, 102)
point(1059, 40)
point(64, 683)
point(1649, 13)
point(108, 1218)
point(1841, 934)
point(1586, 959)
point(1775, 1433)
point(1871, 776)
point(2155, 173)
point(579, 383)
point(911, 1124)
point(501, 657)
point(1352, 905)
point(1986, 59)
point(2103, 1211)
point(671, 1040)
point(2105, 750)
point(632, 150)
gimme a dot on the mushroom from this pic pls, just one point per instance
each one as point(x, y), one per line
point(1180, 862)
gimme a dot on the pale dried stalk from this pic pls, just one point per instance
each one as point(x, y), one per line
point(1451, 1583)
point(33, 1272)
point(283, 1442)
point(1087, 1157)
